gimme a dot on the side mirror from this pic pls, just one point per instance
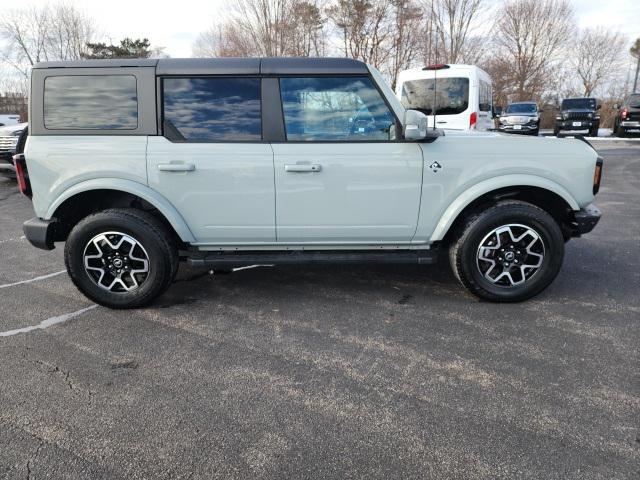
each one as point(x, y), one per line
point(415, 125)
point(598, 107)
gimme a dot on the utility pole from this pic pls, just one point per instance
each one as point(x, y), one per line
point(635, 52)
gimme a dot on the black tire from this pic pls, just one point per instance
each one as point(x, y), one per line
point(620, 132)
point(156, 241)
point(556, 132)
point(464, 251)
point(535, 132)
point(593, 132)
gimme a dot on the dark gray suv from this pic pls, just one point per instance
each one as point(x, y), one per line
point(521, 117)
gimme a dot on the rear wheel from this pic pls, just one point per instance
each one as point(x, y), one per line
point(508, 253)
point(620, 132)
point(121, 258)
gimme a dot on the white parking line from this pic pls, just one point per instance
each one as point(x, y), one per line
point(43, 277)
point(13, 239)
point(48, 322)
point(250, 266)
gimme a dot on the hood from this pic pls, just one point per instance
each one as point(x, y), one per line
point(526, 114)
point(578, 110)
point(9, 130)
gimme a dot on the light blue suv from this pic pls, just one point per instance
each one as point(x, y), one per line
point(230, 162)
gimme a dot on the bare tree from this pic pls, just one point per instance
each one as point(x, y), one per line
point(597, 57)
point(454, 23)
point(266, 28)
point(69, 32)
point(364, 28)
point(405, 48)
point(530, 35)
point(307, 30)
point(224, 40)
point(25, 34)
point(32, 35)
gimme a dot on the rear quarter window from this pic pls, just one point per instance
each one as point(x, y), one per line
point(91, 102)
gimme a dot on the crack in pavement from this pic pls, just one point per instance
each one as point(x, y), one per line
point(66, 375)
point(33, 458)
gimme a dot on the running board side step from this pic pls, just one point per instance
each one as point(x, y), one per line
point(243, 259)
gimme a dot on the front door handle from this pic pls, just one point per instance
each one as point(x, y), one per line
point(176, 167)
point(302, 168)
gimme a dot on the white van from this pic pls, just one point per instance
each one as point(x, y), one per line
point(9, 120)
point(462, 93)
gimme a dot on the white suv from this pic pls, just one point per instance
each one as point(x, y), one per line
point(230, 162)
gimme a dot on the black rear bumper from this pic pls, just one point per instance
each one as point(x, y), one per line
point(585, 220)
point(40, 233)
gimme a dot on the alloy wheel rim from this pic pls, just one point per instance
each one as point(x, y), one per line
point(510, 255)
point(116, 262)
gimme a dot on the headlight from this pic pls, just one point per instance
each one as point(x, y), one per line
point(590, 115)
point(597, 117)
point(503, 119)
point(534, 119)
point(558, 117)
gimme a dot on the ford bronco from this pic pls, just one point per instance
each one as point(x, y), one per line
point(137, 164)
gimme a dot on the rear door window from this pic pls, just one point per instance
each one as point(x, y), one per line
point(212, 109)
point(91, 102)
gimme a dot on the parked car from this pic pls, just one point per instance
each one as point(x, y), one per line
point(628, 117)
point(462, 93)
point(578, 115)
point(11, 119)
point(520, 117)
point(8, 141)
point(235, 162)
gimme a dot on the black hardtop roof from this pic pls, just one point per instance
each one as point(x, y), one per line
point(225, 66)
point(525, 102)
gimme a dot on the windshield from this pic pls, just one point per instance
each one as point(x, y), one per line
point(579, 104)
point(634, 101)
point(521, 108)
point(450, 95)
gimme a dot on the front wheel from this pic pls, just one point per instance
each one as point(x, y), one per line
point(121, 258)
point(508, 253)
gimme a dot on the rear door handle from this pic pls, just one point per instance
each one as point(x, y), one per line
point(302, 168)
point(176, 167)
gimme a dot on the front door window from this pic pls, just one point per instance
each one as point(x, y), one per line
point(335, 109)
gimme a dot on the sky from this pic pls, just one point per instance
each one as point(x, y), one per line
point(175, 25)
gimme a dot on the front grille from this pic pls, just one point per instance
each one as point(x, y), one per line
point(578, 116)
point(8, 143)
point(517, 120)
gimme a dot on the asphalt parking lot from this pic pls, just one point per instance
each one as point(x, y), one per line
point(342, 372)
